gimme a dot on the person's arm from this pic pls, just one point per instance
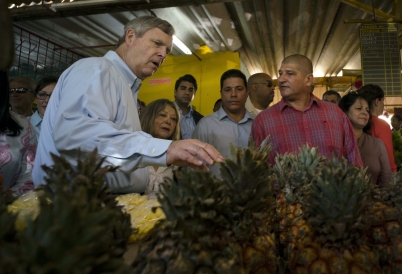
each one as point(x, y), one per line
point(384, 133)
point(351, 151)
point(92, 113)
point(24, 182)
point(385, 175)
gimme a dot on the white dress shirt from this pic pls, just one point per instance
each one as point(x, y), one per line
point(94, 106)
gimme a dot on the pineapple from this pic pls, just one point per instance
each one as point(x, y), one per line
point(143, 218)
point(292, 173)
point(215, 226)
point(9, 244)
point(386, 225)
point(195, 235)
point(248, 177)
point(79, 228)
point(335, 207)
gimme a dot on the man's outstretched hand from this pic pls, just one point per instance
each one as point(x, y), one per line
point(192, 153)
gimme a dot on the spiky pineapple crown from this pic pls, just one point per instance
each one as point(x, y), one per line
point(78, 229)
point(391, 193)
point(335, 205)
point(248, 177)
point(9, 242)
point(293, 171)
point(205, 215)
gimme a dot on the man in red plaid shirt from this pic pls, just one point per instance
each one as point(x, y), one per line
point(301, 118)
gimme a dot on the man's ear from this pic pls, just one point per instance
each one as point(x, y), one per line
point(376, 101)
point(130, 36)
point(310, 79)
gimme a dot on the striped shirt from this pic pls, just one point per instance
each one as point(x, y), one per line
point(321, 124)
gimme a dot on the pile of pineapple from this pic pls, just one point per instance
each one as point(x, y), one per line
point(305, 214)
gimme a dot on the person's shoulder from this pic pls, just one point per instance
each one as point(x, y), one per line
point(21, 119)
point(209, 118)
point(270, 111)
point(197, 114)
point(88, 63)
point(374, 141)
point(380, 123)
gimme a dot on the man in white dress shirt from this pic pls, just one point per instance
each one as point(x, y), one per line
point(94, 106)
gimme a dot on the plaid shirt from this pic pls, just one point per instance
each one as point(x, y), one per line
point(321, 124)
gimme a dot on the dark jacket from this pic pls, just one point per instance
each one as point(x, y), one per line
point(196, 116)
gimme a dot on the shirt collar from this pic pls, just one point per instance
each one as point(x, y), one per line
point(132, 79)
point(35, 119)
point(181, 113)
point(247, 115)
point(313, 99)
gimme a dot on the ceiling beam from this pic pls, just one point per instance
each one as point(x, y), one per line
point(80, 8)
point(370, 10)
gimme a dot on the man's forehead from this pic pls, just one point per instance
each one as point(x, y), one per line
point(15, 83)
point(186, 84)
point(229, 82)
point(289, 66)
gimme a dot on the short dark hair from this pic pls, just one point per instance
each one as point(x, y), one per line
point(348, 100)
point(397, 117)
point(8, 125)
point(45, 82)
point(233, 73)
point(217, 101)
point(188, 78)
point(371, 92)
point(332, 92)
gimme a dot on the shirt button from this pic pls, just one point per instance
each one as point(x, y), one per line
point(306, 127)
point(153, 151)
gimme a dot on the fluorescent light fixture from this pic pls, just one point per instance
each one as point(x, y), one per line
point(181, 45)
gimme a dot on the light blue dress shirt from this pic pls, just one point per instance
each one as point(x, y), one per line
point(36, 121)
point(219, 130)
point(94, 106)
point(187, 123)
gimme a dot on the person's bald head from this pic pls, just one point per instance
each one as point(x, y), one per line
point(261, 90)
point(302, 63)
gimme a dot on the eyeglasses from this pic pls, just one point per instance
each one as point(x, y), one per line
point(42, 95)
point(19, 90)
point(270, 84)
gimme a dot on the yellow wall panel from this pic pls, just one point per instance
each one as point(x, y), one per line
point(207, 70)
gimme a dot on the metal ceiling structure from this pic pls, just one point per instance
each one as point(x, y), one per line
point(263, 32)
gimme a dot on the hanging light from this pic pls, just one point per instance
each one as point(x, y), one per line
point(181, 45)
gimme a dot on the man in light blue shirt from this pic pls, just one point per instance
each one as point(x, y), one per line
point(184, 91)
point(94, 106)
point(231, 124)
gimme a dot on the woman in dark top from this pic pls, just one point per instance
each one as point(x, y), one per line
point(372, 150)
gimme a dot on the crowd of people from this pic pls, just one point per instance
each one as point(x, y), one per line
point(94, 104)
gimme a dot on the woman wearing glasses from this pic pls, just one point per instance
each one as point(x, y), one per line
point(372, 150)
point(43, 92)
point(17, 144)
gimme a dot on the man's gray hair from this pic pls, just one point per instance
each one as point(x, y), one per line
point(26, 80)
point(142, 24)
